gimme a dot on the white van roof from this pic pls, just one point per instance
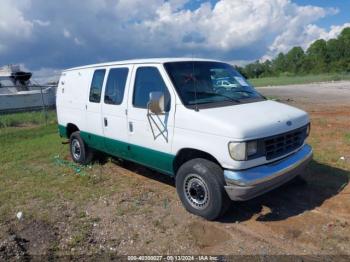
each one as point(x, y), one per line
point(141, 61)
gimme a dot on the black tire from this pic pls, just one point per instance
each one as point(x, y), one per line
point(79, 151)
point(200, 186)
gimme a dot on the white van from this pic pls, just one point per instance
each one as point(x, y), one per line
point(172, 116)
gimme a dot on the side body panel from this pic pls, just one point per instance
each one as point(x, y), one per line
point(144, 144)
point(71, 98)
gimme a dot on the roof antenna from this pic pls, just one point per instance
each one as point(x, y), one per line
point(194, 85)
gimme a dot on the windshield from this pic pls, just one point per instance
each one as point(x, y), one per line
point(210, 83)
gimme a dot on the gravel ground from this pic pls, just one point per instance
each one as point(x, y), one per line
point(329, 93)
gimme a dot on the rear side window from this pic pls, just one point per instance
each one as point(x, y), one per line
point(96, 85)
point(148, 79)
point(116, 85)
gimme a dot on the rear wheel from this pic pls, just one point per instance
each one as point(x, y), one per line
point(200, 186)
point(80, 152)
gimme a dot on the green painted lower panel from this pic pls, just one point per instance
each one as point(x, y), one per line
point(62, 130)
point(93, 141)
point(154, 159)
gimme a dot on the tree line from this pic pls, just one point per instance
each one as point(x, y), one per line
point(332, 56)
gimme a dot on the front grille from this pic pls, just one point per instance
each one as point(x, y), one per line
point(282, 144)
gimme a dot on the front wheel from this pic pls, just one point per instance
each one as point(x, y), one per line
point(80, 152)
point(200, 186)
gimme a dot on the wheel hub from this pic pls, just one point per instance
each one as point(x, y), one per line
point(196, 191)
point(76, 149)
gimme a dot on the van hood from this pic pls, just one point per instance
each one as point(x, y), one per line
point(243, 121)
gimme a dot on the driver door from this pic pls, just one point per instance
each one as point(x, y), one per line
point(150, 135)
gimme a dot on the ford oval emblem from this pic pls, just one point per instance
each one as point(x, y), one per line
point(289, 123)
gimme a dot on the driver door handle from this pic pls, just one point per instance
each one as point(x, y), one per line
point(105, 121)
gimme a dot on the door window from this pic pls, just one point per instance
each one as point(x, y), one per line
point(148, 79)
point(115, 86)
point(96, 86)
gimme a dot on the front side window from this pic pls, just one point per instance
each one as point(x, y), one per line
point(207, 84)
point(115, 86)
point(96, 86)
point(148, 79)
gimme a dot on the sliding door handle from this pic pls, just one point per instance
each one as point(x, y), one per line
point(105, 121)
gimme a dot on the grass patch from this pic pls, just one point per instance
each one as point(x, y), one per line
point(347, 137)
point(293, 80)
point(27, 118)
point(36, 175)
point(81, 233)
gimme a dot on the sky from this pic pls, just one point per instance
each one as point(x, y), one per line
point(47, 36)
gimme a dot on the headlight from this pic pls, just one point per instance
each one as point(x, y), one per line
point(238, 151)
point(242, 150)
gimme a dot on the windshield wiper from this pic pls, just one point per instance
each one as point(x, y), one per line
point(248, 92)
point(242, 90)
point(217, 94)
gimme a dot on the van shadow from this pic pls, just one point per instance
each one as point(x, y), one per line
point(320, 183)
point(144, 171)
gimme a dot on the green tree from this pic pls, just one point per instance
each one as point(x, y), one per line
point(279, 64)
point(321, 57)
point(254, 70)
point(344, 39)
point(317, 57)
point(267, 68)
point(335, 53)
point(294, 60)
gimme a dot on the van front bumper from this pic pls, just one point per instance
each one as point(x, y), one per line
point(246, 184)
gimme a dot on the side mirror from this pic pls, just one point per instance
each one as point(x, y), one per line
point(156, 103)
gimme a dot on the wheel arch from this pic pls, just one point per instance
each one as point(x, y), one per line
point(187, 154)
point(70, 129)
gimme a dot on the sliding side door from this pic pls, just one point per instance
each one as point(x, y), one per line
point(114, 109)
